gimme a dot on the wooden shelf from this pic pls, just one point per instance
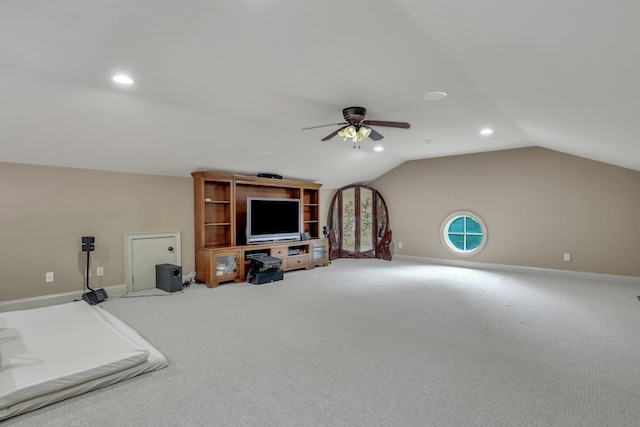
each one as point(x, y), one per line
point(220, 210)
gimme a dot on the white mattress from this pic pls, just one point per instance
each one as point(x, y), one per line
point(53, 353)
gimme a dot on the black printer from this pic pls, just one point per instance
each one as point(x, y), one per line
point(264, 268)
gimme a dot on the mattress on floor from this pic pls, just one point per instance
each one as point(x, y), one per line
point(52, 353)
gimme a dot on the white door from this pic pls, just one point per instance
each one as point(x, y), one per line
point(146, 252)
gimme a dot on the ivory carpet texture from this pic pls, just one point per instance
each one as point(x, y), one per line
point(377, 343)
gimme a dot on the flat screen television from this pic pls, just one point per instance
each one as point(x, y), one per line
point(273, 220)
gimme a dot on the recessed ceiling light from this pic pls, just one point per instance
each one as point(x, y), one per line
point(486, 131)
point(434, 96)
point(378, 148)
point(123, 79)
point(264, 155)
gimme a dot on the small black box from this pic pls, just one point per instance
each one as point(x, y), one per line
point(169, 277)
point(267, 277)
point(269, 175)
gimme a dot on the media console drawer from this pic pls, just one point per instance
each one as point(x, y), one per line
point(297, 261)
point(280, 251)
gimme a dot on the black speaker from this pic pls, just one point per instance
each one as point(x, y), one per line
point(87, 243)
point(169, 277)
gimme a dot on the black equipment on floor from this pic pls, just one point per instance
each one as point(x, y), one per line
point(95, 297)
point(266, 277)
point(264, 269)
point(169, 277)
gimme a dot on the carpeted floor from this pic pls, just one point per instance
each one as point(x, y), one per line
point(376, 343)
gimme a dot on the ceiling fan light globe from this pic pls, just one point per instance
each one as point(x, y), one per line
point(347, 132)
point(364, 132)
point(350, 131)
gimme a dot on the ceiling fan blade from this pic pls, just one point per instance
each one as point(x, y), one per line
point(321, 126)
point(375, 135)
point(332, 134)
point(402, 125)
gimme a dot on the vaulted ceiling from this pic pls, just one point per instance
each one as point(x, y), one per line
point(228, 85)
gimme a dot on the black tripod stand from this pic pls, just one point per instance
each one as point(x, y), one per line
point(91, 296)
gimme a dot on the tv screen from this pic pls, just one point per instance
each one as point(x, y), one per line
point(270, 219)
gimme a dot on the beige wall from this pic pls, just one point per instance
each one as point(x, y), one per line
point(44, 212)
point(537, 205)
point(326, 194)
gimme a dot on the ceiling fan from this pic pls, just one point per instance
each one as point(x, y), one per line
point(357, 128)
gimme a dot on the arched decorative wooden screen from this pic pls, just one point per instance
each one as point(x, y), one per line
point(359, 222)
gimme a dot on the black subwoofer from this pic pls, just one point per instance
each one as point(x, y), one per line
point(169, 277)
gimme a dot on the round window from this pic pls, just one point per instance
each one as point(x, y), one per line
point(463, 234)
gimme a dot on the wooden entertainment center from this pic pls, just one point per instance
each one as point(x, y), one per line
point(221, 219)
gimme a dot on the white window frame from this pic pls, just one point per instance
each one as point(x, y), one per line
point(450, 247)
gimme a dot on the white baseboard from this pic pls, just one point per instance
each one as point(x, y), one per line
point(629, 280)
point(54, 299)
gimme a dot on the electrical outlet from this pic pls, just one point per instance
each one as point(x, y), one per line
point(48, 277)
point(99, 271)
point(399, 245)
point(567, 257)
point(85, 273)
